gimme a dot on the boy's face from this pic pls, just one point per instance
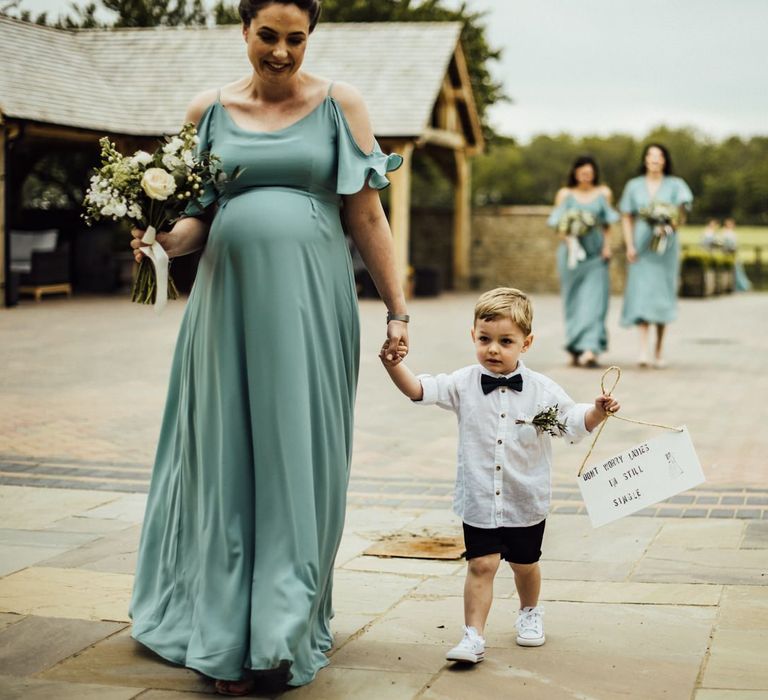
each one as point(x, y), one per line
point(499, 344)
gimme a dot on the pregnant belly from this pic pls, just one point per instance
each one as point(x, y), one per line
point(274, 217)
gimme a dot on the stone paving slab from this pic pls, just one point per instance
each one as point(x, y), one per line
point(30, 509)
point(114, 554)
point(353, 684)
point(122, 661)
point(37, 643)
point(17, 557)
point(8, 619)
point(13, 688)
point(677, 564)
point(720, 694)
point(68, 593)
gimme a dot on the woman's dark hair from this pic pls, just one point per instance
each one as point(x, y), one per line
point(248, 9)
point(578, 163)
point(665, 153)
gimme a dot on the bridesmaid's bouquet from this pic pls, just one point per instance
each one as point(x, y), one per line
point(663, 218)
point(151, 190)
point(573, 224)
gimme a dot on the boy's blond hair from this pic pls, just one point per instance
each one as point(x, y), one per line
point(506, 302)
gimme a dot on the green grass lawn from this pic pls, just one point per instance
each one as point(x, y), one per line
point(749, 237)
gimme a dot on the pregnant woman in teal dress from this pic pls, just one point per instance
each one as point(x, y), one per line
point(582, 261)
point(247, 502)
point(650, 294)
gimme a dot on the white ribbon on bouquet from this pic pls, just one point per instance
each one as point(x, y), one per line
point(576, 252)
point(159, 259)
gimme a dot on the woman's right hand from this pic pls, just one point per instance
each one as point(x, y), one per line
point(164, 239)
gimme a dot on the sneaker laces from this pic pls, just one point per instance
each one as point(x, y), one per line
point(471, 637)
point(529, 620)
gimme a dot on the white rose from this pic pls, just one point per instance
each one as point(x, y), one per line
point(158, 184)
point(120, 209)
point(188, 157)
point(173, 145)
point(171, 162)
point(142, 158)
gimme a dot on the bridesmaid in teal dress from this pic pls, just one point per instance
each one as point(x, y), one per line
point(650, 295)
point(247, 501)
point(583, 262)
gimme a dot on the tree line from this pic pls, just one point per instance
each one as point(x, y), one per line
point(728, 177)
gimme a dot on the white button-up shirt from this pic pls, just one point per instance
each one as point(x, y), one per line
point(503, 469)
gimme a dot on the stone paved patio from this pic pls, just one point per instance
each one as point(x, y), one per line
point(672, 606)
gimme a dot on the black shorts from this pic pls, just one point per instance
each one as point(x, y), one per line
point(519, 545)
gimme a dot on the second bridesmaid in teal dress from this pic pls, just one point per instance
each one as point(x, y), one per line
point(582, 259)
point(650, 294)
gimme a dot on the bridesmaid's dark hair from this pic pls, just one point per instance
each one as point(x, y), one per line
point(578, 163)
point(665, 153)
point(248, 9)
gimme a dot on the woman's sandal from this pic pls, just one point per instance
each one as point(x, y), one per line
point(235, 688)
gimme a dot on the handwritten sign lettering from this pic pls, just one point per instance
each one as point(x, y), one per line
point(639, 477)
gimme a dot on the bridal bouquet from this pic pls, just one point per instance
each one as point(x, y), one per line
point(151, 190)
point(573, 224)
point(663, 218)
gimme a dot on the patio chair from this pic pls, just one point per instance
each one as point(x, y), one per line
point(41, 262)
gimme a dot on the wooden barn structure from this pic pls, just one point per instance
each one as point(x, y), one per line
point(63, 89)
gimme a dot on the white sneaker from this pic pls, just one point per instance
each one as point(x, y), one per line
point(530, 627)
point(471, 649)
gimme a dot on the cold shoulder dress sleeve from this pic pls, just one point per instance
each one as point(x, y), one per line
point(247, 499)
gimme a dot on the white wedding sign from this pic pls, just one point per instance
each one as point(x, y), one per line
point(639, 477)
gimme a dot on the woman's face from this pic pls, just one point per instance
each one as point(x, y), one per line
point(584, 174)
point(654, 161)
point(276, 41)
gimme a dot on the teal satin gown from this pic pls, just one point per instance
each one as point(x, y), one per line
point(247, 500)
point(585, 289)
point(650, 293)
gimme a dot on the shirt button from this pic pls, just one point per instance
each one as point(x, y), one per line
point(503, 415)
point(503, 390)
point(499, 441)
point(498, 467)
point(498, 493)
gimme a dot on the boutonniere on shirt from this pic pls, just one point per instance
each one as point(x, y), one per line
point(546, 421)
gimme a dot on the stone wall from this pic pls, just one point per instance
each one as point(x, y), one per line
point(511, 246)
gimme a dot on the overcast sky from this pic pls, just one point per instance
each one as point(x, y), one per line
point(604, 66)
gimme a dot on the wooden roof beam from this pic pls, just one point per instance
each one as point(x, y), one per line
point(443, 138)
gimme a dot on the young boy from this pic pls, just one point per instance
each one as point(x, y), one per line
point(504, 457)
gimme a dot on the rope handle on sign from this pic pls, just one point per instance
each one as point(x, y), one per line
point(613, 368)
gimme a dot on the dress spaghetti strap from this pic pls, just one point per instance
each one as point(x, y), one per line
point(330, 87)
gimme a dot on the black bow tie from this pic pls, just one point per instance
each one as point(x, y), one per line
point(489, 383)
